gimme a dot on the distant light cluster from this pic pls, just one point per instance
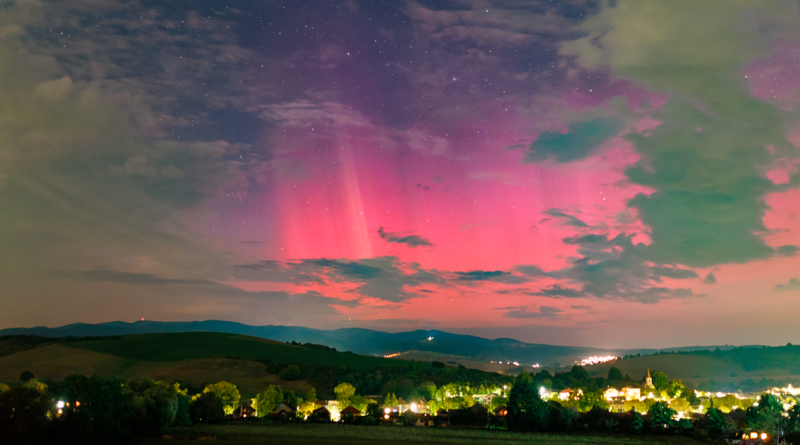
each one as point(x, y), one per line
point(392, 355)
point(593, 360)
point(536, 365)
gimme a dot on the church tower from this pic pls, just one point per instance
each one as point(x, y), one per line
point(648, 381)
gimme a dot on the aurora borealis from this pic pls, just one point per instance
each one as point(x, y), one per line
point(611, 174)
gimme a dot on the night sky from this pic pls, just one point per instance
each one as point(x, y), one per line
point(613, 174)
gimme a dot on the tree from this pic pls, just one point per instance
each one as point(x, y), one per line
point(227, 393)
point(427, 390)
point(526, 409)
point(25, 376)
point(614, 374)
point(767, 415)
point(344, 392)
point(676, 389)
point(660, 380)
point(23, 415)
point(406, 389)
point(391, 400)
point(661, 417)
point(311, 396)
point(717, 421)
point(106, 412)
point(291, 372)
point(155, 403)
point(206, 408)
point(578, 372)
point(265, 402)
point(593, 398)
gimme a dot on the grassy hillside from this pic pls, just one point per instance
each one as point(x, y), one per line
point(193, 358)
point(718, 368)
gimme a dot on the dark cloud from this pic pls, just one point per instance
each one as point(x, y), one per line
point(527, 313)
point(496, 276)
point(580, 138)
point(384, 278)
point(531, 271)
point(672, 272)
point(614, 269)
point(570, 220)
point(794, 284)
point(710, 278)
point(560, 291)
point(579, 307)
point(409, 240)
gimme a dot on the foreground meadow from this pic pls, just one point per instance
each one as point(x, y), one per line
point(391, 435)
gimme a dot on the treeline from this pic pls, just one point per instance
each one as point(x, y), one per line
point(402, 380)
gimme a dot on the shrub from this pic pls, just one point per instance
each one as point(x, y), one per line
point(291, 372)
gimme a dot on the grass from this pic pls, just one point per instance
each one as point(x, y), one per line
point(195, 345)
point(395, 435)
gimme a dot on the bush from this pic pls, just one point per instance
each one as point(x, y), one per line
point(23, 415)
point(25, 376)
point(291, 372)
point(206, 408)
point(436, 364)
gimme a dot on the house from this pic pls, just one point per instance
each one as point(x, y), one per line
point(244, 411)
point(350, 412)
point(320, 414)
point(501, 410)
point(631, 393)
point(442, 417)
point(283, 411)
point(565, 394)
point(611, 393)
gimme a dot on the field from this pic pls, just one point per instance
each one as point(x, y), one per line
point(193, 358)
point(386, 435)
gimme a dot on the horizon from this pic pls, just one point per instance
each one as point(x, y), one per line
point(549, 171)
point(631, 348)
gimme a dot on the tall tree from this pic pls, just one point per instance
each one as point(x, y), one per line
point(227, 393)
point(344, 392)
point(526, 409)
point(265, 402)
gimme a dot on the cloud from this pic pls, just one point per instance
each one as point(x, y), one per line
point(576, 143)
point(410, 240)
point(559, 291)
point(614, 269)
point(384, 278)
point(496, 276)
point(794, 284)
point(703, 161)
point(569, 219)
point(710, 279)
point(544, 312)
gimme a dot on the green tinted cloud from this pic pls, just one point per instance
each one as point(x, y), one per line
point(580, 138)
point(705, 159)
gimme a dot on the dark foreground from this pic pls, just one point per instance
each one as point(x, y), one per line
point(348, 434)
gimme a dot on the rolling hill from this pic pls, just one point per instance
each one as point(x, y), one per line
point(194, 358)
point(361, 341)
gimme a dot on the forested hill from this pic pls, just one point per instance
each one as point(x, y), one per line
point(362, 341)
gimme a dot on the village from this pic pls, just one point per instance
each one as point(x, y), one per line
point(491, 408)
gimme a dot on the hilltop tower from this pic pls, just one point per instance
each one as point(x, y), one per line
point(648, 381)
